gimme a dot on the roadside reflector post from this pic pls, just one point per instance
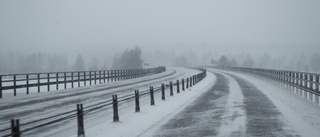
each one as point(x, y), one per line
point(187, 82)
point(178, 88)
point(115, 108)
point(80, 120)
point(182, 80)
point(163, 97)
point(151, 96)
point(171, 89)
point(136, 93)
point(15, 128)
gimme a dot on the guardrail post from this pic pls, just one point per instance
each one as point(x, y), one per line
point(78, 79)
point(80, 120)
point(90, 78)
point(14, 84)
point(111, 75)
point(104, 76)
point(95, 77)
point(57, 80)
point(71, 79)
point(182, 80)
point(171, 89)
point(48, 81)
point(15, 128)
point(108, 76)
point(178, 86)
point(65, 80)
point(84, 78)
point(115, 108)
point(38, 82)
point(317, 81)
point(187, 82)
point(27, 84)
point(163, 96)
point(0, 86)
point(136, 93)
point(99, 77)
point(151, 96)
point(190, 81)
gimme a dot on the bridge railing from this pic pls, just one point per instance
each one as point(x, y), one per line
point(308, 82)
point(45, 81)
point(17, 128)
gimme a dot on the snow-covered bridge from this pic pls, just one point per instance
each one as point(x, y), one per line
point(227, 102)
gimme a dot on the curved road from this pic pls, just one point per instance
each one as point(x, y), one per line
point(29, 108)
point(232, 107)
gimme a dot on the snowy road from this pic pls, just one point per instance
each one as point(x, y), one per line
point(237, 106)
point(33, 107)
point(224, 104)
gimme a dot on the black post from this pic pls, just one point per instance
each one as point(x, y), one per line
point(136, 93)
point(151, 96)
point(99, 77)
point(171, 89)
point(182, 80)
point(80, 120)
point(0, 86)
point(14, 85)
point(90, 77)
point(190, 82)
point(65, 80)
point(163, 96)
point(27, 84)
point(178, 86)
point(15, 128)
point(111, 75)
point(115, 108)
point(118, 75)
point(108, 73)
point(72, 79)
point(95, 77)
point(84, 78)
point(38, 83)
point(57, 80)
point(104, 76)
point(78, 79)
point(48, 81)
point(187, 82)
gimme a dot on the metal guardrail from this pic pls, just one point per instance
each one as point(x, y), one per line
point(308, 82)
point(17, 128)
point(74, 79)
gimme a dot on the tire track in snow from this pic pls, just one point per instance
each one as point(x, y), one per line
point(202, 117)
point(234, 118)
point(263, 118)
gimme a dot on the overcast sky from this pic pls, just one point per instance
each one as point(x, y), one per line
point(107, 26)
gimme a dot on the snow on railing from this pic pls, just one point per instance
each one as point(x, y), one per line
point(303, 83)
point(45, 81)
point(17, 128)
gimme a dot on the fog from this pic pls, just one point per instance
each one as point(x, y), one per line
point(103, 28)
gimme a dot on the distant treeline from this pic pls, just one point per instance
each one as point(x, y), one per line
point(295, 63)
point(44, 62)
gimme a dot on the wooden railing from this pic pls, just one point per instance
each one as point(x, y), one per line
point(69, 79)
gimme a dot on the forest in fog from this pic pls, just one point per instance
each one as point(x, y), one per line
point(47, 62)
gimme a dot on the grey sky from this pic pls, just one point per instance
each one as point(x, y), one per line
point(104, 26)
